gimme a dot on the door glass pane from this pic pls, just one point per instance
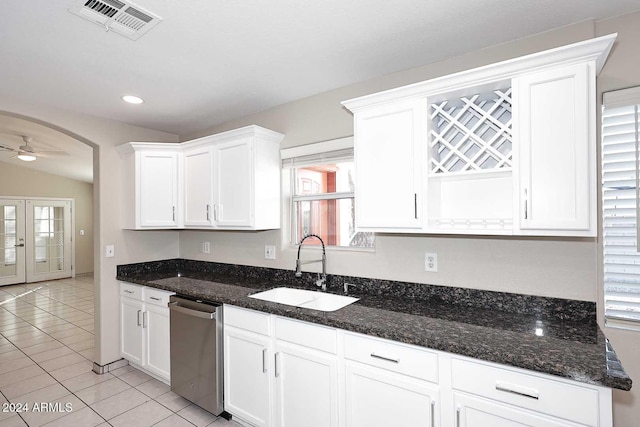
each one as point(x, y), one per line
point(48, 223)
point(8, 238)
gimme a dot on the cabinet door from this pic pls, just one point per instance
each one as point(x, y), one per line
point(369, 389)
point(198, 187)
point(155, 322)
point(247, 370)
point(389, 163)
point(157, 195)
point(233, 188)
point(555, 152)
point(477, 412)
point(306, 387)
point(131, 332)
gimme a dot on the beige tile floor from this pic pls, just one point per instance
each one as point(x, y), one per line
point(46, 361)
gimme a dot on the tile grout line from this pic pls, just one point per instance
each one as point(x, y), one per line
point(40, 298)
point(47, 372)
point(17, 413)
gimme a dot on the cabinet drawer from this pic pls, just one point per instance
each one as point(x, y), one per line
point(157, 296)
point(401, 358)
point(527, 390)
point(246, 319)
point(131, 291)
point(313, 336)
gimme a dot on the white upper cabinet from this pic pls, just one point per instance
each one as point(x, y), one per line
point(508, 148)
point(246, 179)
point(556, 151)
point(388, 151)
point(198, 186)
point(158, 180)
point(229, 180)
point(152, 179)
point(233, 169)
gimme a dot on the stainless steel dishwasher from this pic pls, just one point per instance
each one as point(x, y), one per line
point(196, 352)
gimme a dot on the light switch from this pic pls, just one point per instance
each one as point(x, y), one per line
point(110, 251)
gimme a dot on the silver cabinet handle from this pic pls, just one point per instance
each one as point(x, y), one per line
point(526, 204)
point(208, 213)
point(457, 417)
point(264, 360)
point(174, 213)
point(415, 205)
point(139, 311)
point(277, 373)
point(144, 319)
point(155, 299)
point(433, 415)
point(519, 390)
point(128, 291)
point(388, 359)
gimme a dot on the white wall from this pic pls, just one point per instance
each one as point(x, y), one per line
point(530, 266)
point(622, 71)
point(130, 246)
point(565, 268)
point(26, 182)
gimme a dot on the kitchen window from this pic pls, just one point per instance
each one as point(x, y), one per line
point(322, 190)
point(620, 179)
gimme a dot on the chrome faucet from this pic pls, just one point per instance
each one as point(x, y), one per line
point(322, 279)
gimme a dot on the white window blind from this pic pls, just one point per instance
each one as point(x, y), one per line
point(620, 179)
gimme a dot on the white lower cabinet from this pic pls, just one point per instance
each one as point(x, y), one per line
point(279, 371)
point(156, 320)
point(512, 396)
point(476, 412)
point(247, 368)
point(131, 332)
point(374, 396)
point(144, 329)
point(288, 373)
point(306, 374)
point(389, 383)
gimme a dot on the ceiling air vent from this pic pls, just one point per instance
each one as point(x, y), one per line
point(121, 17)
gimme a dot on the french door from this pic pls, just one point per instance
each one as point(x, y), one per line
point(12, 233)
point(36, 237)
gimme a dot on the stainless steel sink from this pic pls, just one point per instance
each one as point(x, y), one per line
point(306, 299)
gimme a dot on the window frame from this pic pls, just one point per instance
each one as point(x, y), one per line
point(620, 161)
point(330, 151)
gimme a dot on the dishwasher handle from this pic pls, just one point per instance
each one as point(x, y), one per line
point(190, 312)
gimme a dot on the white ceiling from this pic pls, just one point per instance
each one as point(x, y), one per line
point(68, 157)
point(210, 61)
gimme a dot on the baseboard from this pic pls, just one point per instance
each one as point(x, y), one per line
point(103, 369)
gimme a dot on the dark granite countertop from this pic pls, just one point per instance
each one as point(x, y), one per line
point(547, 335)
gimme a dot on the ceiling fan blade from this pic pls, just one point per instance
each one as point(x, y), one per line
point(50, 154)
point(7, 148)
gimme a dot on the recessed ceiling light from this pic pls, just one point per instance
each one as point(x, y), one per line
point(132, 99)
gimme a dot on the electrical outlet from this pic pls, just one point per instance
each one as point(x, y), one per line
point(110, 251)
point(206, 248)
point(269, 252)
point(431, 262)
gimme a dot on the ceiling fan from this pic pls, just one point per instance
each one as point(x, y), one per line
point(27, 153)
